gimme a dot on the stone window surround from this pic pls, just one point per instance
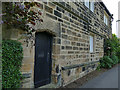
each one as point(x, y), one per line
point(105, 18)
point(91, 34)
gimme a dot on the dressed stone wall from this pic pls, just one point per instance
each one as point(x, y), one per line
point(71, 24)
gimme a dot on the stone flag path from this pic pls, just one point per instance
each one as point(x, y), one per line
point(109, 79)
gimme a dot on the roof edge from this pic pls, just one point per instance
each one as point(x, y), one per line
point(106, 9)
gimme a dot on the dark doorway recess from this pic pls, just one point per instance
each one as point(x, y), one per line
point(43, 60)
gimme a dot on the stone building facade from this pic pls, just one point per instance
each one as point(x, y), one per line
point(78, 33)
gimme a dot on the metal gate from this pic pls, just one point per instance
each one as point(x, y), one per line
point(43, 61)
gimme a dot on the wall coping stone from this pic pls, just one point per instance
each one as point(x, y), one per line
point(78, 65)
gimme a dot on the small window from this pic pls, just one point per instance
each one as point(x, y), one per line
point(105, 19)
point(92, 6)
point(91, 44)
point(89, 4)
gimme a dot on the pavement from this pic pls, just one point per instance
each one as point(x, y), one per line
point(108, 79)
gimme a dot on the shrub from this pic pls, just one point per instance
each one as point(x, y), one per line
point(111, 45)
point(108, 47)
point(106, 62)
point(115, 59)
point(118, 53)
point(0, 69)
point(12, 55)
point(111, 53)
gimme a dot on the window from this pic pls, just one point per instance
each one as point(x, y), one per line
point(105, 19)
point(92, 6)
point(91, 44)
point(89, 4)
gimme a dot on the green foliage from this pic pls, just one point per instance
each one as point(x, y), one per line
point(19, 14)
point(118, 53)
point(112, 46)
point(0, 69)
point(12, 55)
point(22, 16)
point(115, 59)
point(106, 62)
point(112, 53)
point(98, 68)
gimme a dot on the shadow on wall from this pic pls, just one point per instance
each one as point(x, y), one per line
point(8, 33)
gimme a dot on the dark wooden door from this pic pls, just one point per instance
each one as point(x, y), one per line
point(42, 67)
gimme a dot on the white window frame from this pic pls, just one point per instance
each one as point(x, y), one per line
point(105, 19)
point(91, 41)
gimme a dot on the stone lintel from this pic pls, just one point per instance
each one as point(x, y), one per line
point(49, 26)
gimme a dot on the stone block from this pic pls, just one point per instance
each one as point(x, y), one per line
point(54, 79)
point(26, 67)
point(28, 51)
point(39, 5)
point(51, 16)
point(57, 13)
point(48, 9)
point(28, 60)
point(66, 17)
point(56, 49)
point(78, 70)
point(52, 5)
point(60, 9)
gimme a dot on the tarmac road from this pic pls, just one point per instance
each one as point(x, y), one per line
point(108, 79)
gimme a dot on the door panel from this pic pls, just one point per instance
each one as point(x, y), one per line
point(42, 67)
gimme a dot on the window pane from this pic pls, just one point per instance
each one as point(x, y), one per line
point(91, 43)
point(92, 6)
point(87, 3)
point(104, 19)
